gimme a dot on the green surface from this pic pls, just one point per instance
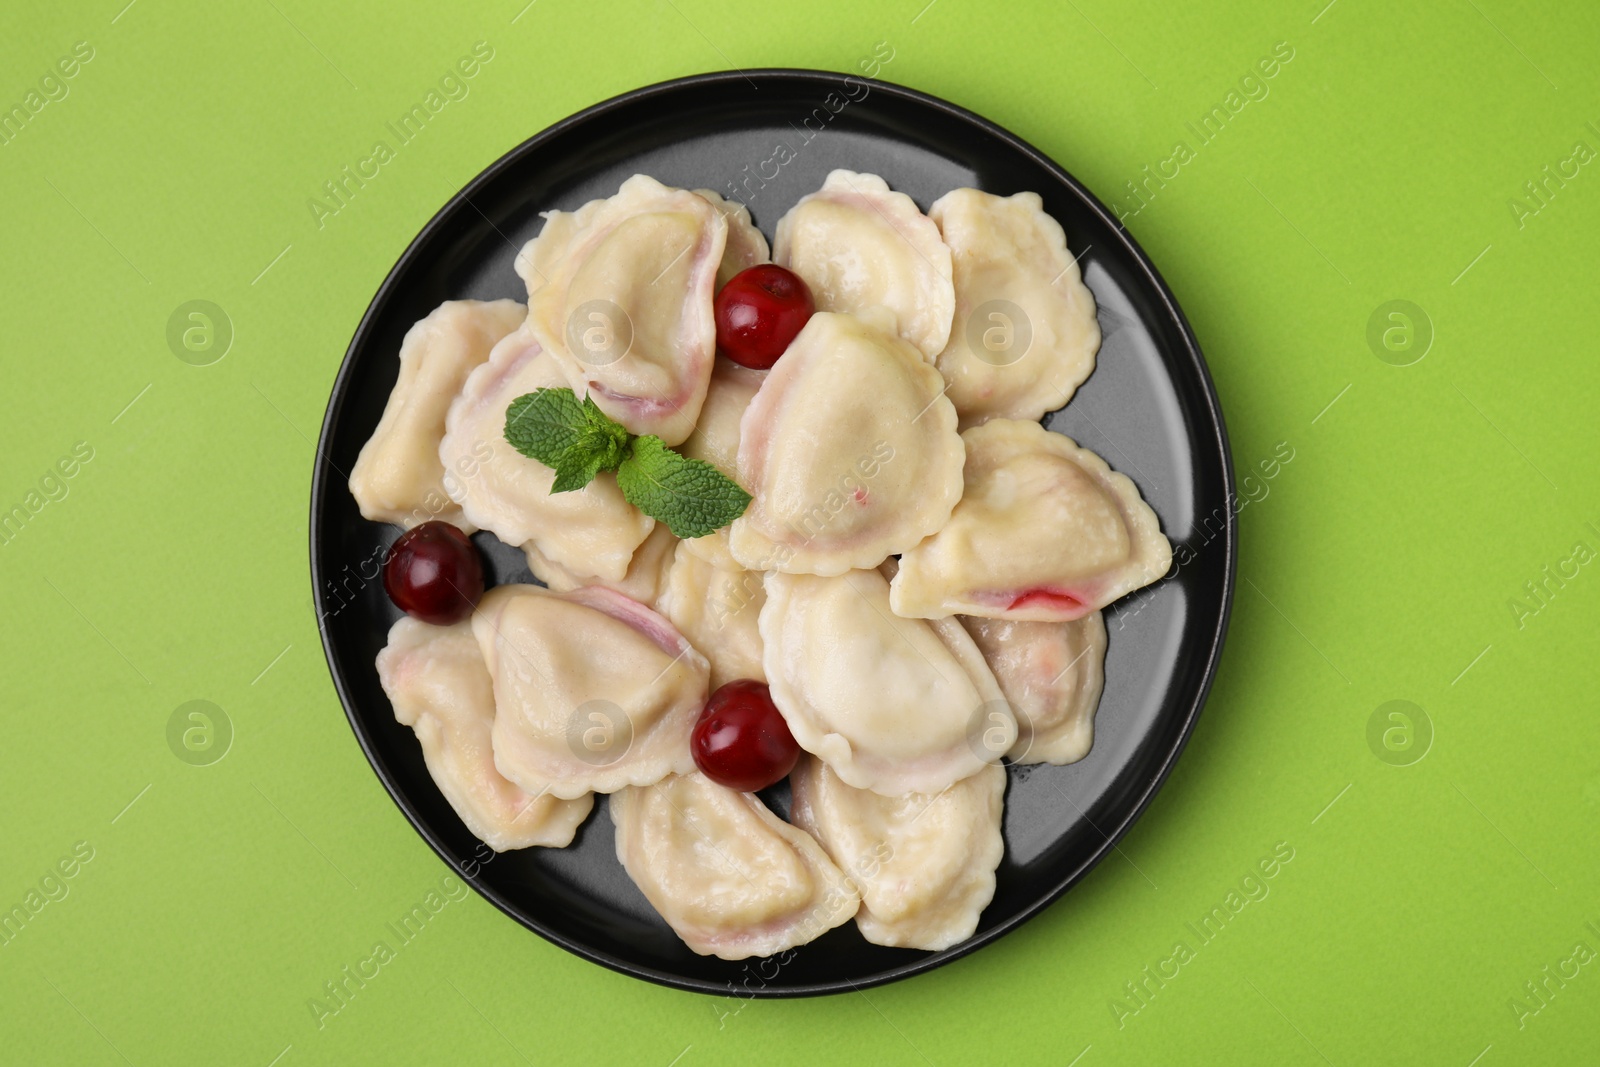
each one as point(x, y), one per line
point(1383, 563)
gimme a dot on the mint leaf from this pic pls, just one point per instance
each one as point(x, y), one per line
point(545, 424)
point(691, 496)
point(577, 440)
point(598, 447)
point(576, 473)
point(594, 417)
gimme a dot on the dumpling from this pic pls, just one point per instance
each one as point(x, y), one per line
point(590, 531)
point(645, 581)
point(716, 434)
point(924, 863)
point(1045, 531)
point(746, 246)
point(716, 441)
point(858, 245)
point(398, 476)
point(719, 612)
point(1025, 333)
point(436, 680)
point(848, 450)
point(593, 691)
point(731, 878)
point(1052, 673)
point(893, 705)
point(619, 293)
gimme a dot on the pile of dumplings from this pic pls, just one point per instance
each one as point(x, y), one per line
point(918, 576)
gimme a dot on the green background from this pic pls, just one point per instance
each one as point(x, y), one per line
point(1381, 565)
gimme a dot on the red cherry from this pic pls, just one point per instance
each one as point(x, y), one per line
point(758, 313)
point(433, 573)
point(741, 741)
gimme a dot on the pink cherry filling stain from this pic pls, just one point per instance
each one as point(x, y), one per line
point(653, 407)
point(1050, 600)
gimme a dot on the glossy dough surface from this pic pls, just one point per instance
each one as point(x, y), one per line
point(1052, 673)
point(731, 878)
point(1025, 333)
point(1045, 531)
point(858, 245)
point(849, 452)
point(436, 679)
point(619, 293)
point(398, 477)
point(924, 863)
point(891, 704)
point(593, 692)
point(716, 441)
point(746, 247)
point(645, 580)
point(591, 531)
point(719, 611)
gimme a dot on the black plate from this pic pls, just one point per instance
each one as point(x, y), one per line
point(1149, 409)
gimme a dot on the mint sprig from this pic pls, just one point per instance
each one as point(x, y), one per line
point(690, 495)
point(544, 424)
point(578, 441)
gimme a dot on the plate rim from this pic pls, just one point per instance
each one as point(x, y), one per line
point(323, 467)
